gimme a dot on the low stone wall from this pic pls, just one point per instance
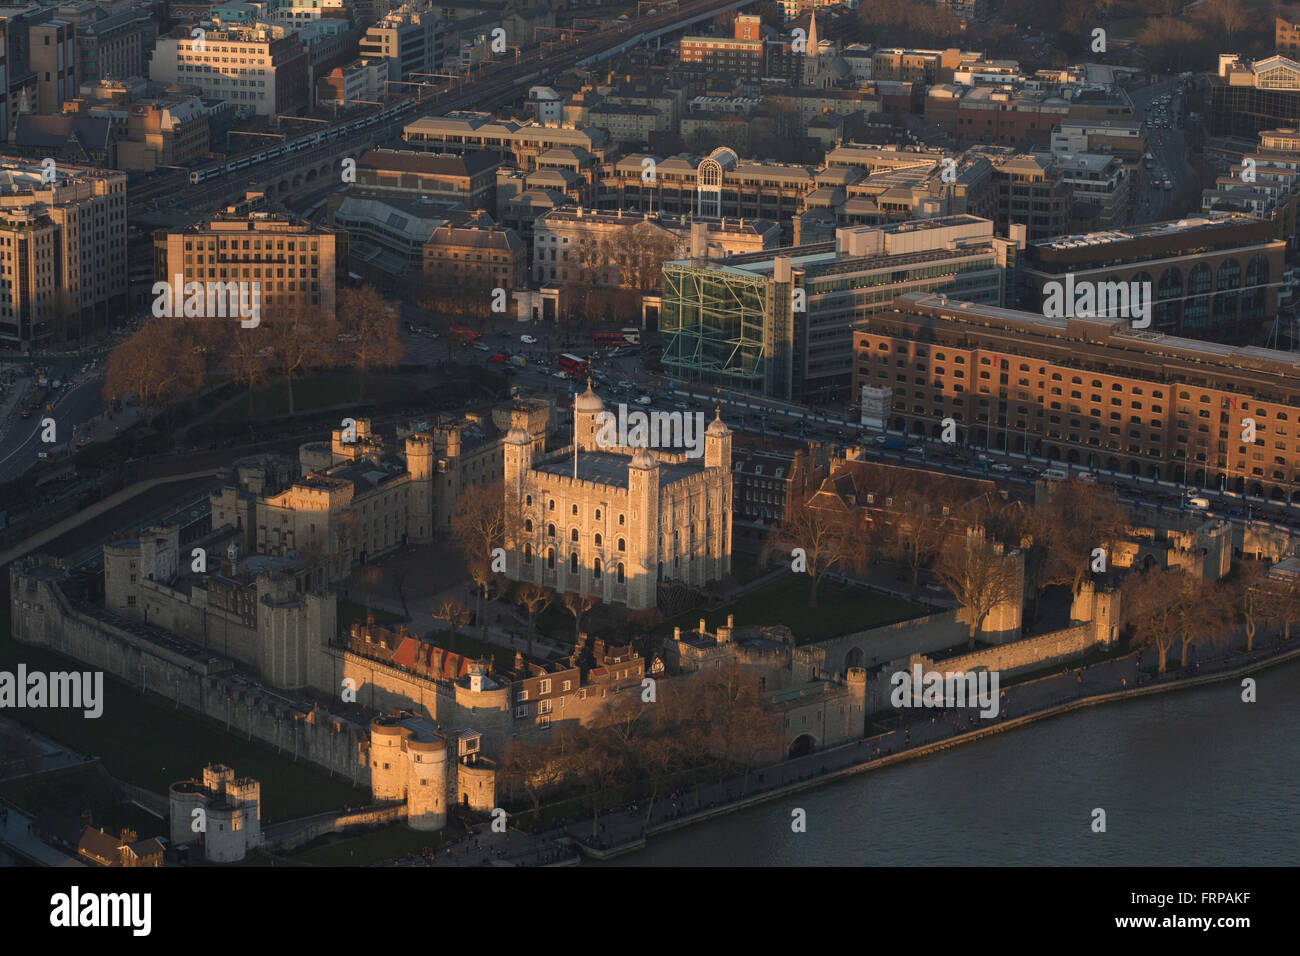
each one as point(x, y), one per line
point(879, 645)
point(292, 834)
point(1032, 652)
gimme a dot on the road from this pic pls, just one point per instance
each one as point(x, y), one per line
point(1169, 149)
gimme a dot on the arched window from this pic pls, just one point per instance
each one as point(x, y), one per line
point(573, 563)
point(550, 558)
point(595, 569)
point(528, 554)
point(1229, 276)
point(550, 531)
point(573, 535)
point(598, 539)
point(528, 525)
point(551, 505)
point(1200, 280)
point(622, 545)
point(620, 574)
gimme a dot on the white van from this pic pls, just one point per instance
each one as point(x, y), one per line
point(1055, 474)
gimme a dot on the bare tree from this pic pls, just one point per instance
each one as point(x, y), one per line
point(479, 527)
point(455, 614)
point(157, 364)
point(916, 533)
point(301, 340)
point(1152, 605)
point(1253, 600)
point(533, 598)
point(369, 326)
point(535, 765)
point(980, 577)
point(1076, 519)
point(831, 538)
point(578, 605)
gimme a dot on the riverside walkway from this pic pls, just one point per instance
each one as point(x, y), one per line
point(908, 734)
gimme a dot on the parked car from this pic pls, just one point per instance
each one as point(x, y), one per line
point(528, 340)
point(1001, 468)
point(643, 400)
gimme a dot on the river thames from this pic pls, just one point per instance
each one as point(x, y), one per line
point(1189, 778)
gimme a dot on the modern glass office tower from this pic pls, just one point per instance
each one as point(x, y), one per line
point(779, 324)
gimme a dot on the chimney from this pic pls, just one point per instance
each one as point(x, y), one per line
point(677, 633)
point(702, 628)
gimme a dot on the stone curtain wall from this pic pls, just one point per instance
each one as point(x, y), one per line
point(1032, 652)
point(879, 645)
point(42, 617)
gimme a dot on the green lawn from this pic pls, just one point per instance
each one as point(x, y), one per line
point(152, 744)
point(841, 609)
point(366, 848)
point(321, 391)
point(1128, 28)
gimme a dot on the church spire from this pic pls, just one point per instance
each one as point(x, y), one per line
point(812, 34)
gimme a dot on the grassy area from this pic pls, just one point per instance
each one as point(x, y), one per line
point(366, 848)
point(841, 609)
point(1127, 28)
point(320, 391)
point(147, 742)
point(745, 570)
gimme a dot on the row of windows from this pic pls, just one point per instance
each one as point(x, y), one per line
point(620, 574)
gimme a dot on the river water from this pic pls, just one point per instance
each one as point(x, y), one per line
point(1189, 778)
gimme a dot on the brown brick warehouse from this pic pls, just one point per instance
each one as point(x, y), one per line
point(1088, 391)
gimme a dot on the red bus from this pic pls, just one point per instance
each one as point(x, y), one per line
point(468, 335)
point(573, 365)
point(609, 338)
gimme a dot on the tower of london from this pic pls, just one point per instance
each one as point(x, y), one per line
point(612, 521)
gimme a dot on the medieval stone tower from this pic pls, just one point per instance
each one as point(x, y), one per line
point(229, 810)
point(420, 464)
point(613, 520)
point(643, 499)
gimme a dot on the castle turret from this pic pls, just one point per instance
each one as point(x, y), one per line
point(420, 465)
point(426, 798)
point(586, 414)
point(717, 444)
point(642, 574)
